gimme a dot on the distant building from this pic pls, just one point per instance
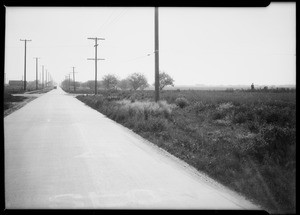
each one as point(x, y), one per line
point(16, 84)
point(252, 86)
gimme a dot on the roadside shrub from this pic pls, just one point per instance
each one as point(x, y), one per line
point(199, 107)
point(225, 106)
point(222, 111)
point(181, 102)
point(218, 115)
point(253, 126)
point(240, 117)
point(278, 140)
point(274, 142)
point(153, 124)
point(157, 124)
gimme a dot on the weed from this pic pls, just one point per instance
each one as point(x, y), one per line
point(181, 102)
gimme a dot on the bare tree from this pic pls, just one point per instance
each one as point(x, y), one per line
point(138, 81)
point(110, 82)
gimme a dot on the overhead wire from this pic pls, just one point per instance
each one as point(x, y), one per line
point(106, 21)
point(117, 18)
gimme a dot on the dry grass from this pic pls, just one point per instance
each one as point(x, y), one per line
point(148, 107)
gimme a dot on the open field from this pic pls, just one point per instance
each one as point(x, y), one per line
point(245, 140)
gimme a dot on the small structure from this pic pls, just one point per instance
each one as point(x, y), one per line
point(16, 84)
point(252, 86)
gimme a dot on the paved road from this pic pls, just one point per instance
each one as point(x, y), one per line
point(59, 153)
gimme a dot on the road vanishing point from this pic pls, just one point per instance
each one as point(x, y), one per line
point(62, 154)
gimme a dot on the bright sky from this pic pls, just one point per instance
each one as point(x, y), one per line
point(197, 45)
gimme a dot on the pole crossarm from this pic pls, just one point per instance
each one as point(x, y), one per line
point(95, 38)
point(97, 59)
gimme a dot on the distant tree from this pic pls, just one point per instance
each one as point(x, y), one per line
point(91, 84)
point(123, 84)
point(31, 85)
point(165, 80)
point(110, 82)
point(65, 84)
point(138, 81)
point(252, 86)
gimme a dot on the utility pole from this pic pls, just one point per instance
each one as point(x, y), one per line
point(96, 59)
point(156, 48)
point(25, 63)
point(69, 83)
point(49, 78)
point(43, 77)
point(74, 79)
point(36, 74)
point(46, 78)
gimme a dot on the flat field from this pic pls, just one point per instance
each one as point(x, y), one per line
point(246, 140)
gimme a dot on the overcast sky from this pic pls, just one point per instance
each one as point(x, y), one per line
point(197, 45)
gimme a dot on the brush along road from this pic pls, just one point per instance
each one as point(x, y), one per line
point(60, 153)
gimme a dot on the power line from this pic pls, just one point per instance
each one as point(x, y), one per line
point(115, 20)
point(106, 21)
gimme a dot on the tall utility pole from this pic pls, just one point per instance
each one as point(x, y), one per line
point(156, 48)
point(49, 78)
point(74, 79)
point(96, 59)
point(46, 78)
point(36, 74)
point(43, 77)
point(25, 63)
point(69, 83)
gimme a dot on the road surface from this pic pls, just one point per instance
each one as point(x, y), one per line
point(62, 154)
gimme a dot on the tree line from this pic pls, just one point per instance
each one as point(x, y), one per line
point(135, 81)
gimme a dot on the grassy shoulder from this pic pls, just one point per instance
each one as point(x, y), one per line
point(11, 103)
point(245, 140)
